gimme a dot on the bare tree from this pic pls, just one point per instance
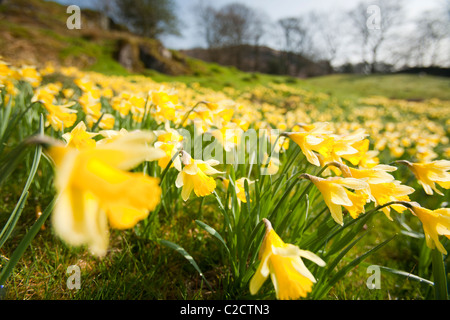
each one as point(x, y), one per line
point(428, 41)
point(298, 41)
point(233, 27)
point(329, 36)
point(206, 26)
point(372, 26)
point(431, 31)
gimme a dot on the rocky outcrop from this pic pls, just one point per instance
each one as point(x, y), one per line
point(137, 54)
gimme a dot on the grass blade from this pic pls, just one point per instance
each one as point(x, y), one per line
point(342, 272)
point(407, 275)
point(213, 232)
point(186, 255)
point(12, 221)
point(23, 245)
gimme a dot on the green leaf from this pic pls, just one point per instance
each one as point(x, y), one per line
point(23, 245)
point(12, 123)
point(14, 217)
point(439, 275)
point(213, 232)
point(186, 255)
point(351, 234)
point(342, 272)
point(407, 275)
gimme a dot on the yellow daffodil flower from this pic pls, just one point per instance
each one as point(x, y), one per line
point(431, 173)
point(79, 137)
point(30, 75)
point(364, 158)
point(308, 140)
point(195, 176)
point(335, 147)
point(228, 136)
point(95, 188)
point(46, 94)
point(239, 187)
point(270, 165)
point(435, 223)
point(335, 195)
point(290, 277)
point(60, 116)
point(390, 191)
point(171, 142)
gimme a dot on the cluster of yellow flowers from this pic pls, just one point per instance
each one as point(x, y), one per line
point(95, 155)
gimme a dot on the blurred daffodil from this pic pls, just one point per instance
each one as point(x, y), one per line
point(60, 116)
point(171, 142)
point(95, 189)
point(239, 186)
point(290, 277)
point(79, 137)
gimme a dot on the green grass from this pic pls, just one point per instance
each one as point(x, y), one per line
point(341, 86)
point(395, 86)
point(217, 77)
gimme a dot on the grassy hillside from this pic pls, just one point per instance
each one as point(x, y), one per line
point(397, 86)
point(344, 86)
point(35, 32)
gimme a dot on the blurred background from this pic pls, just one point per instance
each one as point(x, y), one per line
point(288, 37)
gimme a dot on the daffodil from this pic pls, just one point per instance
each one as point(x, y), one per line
point(79, 137)
point(335, 147)
point(195, 176)
point(283, 262)
point(435, 223)
point(270, 165)
point(390, 191)
point(46, 94)
point(95, 189)
point(308, 140)
point(30, 75)
point(90, 101)
point(121, 104)
point(364, 158)
point(164, 106)
point(381, 186)
point(171, 142)
point(239, 187)
point(431, 173)
point(60, 116)
point(107, 121)
point(336, 195)
point(228, 136)
point(377, 174)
